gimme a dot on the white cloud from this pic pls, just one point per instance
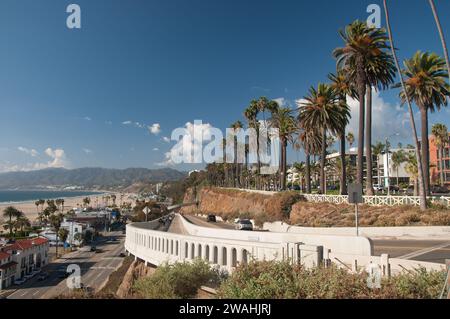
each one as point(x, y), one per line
point(156, 149)
point(387, 119)
point(87, 151)
point(127, 123)
point(166, 139)
point(87, 118)
point(31, 152)
point(58, 159)
point(191, 144)
point(282, 102)
point(155, 129)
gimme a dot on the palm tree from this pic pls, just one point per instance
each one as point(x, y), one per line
point(398, 158)
point(251, 115)
point(236, 126)
point(412, 169)
point(311, 142)
point(426, 85)
point(343, 88)
point(11, 212)
point(441, 138)
point(300, 169)
point(367, 63)
point(284, 121)
point(22, 222)
point(377, 150)
point(350, 139)
point(37, 203)
point(55, 221)
point(441, 34)
point(420, 170)
point(322, 110)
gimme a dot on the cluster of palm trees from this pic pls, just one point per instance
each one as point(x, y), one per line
point(16, 220)
point(367, 61)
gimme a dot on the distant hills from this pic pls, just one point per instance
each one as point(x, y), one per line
point(92, 178)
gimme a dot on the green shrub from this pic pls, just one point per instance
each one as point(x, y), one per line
point(177, 281)
point(281, 280)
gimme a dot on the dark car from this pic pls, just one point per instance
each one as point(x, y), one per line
point(93, 248)
point(211, 218)
point(43, 276)
point(244, 224)
point(439, 190)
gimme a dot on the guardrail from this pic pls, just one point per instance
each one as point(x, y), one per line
point(376, 200)
point(227, 251)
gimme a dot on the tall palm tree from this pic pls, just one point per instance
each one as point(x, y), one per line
point(237, 126)
point(420, 169)
point(322, 110)
point(251, 115)
point(377, 150)
point(441, 138)
point(441, 34)
point(364, 56)
point(284, 121)
point(412, 169)
point(11, 212)
point(426, 85)
point(311, 142)
point(55, 222)
point(343, 88)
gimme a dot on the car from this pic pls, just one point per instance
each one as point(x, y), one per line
point(93, 248)
point(19, 282)
point(244, 224)
point(43, 276)
point(211, 218)
point(378, 188)
point(122, 255)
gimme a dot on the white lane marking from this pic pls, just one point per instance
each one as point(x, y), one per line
point(424, 251)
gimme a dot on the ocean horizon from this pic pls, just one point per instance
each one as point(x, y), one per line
point(17, 196)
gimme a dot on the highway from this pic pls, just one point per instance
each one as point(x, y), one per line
point(95, 270)
point(420, 250)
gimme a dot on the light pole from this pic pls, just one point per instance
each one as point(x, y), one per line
point(387, 163)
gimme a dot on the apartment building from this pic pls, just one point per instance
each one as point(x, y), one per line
point(438, 164)
point(7, 270)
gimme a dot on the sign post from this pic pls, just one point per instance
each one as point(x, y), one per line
point(146, 211)
point(355, 197)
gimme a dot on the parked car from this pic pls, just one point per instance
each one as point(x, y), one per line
point(244, 224)
point(122, 255)
point(378, 188)
point(19, 282)
point(439, 190)
point(93, 248)
point(211, 218)
point(43, 276)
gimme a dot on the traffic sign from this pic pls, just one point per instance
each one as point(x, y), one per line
point(146, 210)
point(355, 194)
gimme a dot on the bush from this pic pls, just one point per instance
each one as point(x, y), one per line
point(177, 281)
point(281, 280)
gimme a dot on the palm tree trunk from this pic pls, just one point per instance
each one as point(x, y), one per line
point(322, 161)
point(343, 179)
point(10, 225)
point(369, 181)
point(361, 82)
point(283, 170)
point(423, 197)
point(441, 165)
point(425, 149)
point(308, 173)
point(441, 34)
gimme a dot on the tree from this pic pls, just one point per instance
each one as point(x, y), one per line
point(441, 34)
point(251, 114)
point(343, 88)
point(236, 126)
point(350, 139)
point(22, 222)
point(322, 111)
point(11, 212)
point(367, 65)
point(398, 158)
point(420, 170)
point(284, 121)
point(426, 85)
point(377, 150)
point(412, 170)
point(87, 201)
point(63, 234)
point(311, 142)
point(55, 222)
point(441, 138)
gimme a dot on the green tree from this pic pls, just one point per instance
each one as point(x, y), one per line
point(367, 64)
point(441, 138)
point(426, 85)
point(284, 121)
point(63, 234)
point(322, 111)
point(420, 169)
point(55, 222)
point(441, 34)
point(11, 212)
point(398, 158)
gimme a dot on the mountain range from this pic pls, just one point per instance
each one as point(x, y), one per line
point(99, 178)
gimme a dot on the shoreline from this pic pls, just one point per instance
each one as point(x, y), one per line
point(31, 201)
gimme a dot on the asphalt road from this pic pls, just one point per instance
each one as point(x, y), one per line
point(425, 250)
point(95, 270)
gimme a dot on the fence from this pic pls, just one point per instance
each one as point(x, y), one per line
point(377, 200)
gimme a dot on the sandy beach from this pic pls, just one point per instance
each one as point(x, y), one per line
point(31, 212)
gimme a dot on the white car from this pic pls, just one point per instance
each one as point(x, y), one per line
point(378, 188)
point(244, 224)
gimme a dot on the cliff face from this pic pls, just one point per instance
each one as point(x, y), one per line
point(230, 204)
point(137, 270)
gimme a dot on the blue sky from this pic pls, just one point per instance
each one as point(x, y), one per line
point(65, 94)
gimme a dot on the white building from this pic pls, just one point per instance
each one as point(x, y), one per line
point(21, 258)
point(387, 168)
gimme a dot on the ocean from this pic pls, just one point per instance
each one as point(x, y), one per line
point(27, 196)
